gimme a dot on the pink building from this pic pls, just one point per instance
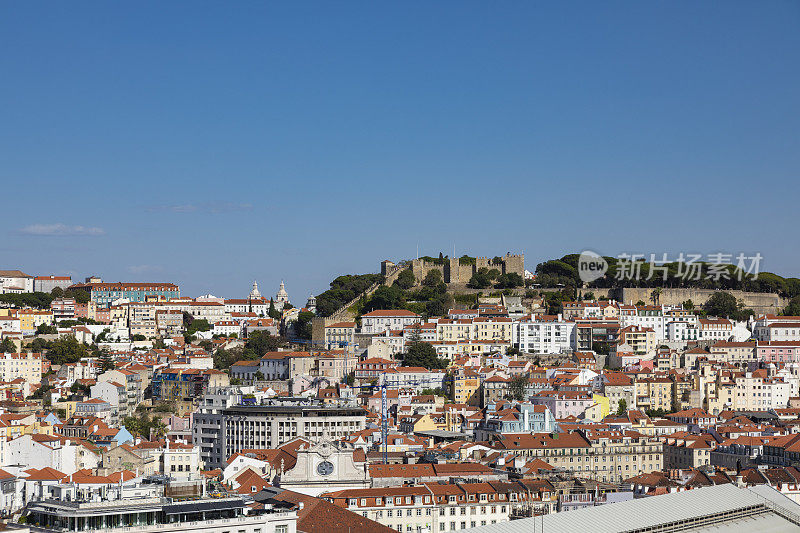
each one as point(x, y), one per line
point(778, 351)
point(564, 403)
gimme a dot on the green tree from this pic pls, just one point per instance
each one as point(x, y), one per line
point(793, 309)
point(405, 279)
point(509, 281)
point(343, 289)
point(144, 426)
point(138, 337)
point(439, 305)
point(622, 407)
point(259, 343)
point(272, 312)
point(81, 296)
point(423, 354)
point(46, 329)
point(259, 376)
point(722, 304)
point(198, 324)
point(303, 325)
point(688, 305)
point(386, 298)
point(80, 388)
point(36, 300)
point(106, 360)
point(66, 350)
point(57, 292)
point(7, 346)
point(516, 388)
point(482, 278)
point(433, 279)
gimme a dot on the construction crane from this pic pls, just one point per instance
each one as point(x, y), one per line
point(385, 410)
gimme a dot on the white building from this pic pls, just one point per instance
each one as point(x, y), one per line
point(715, 329)
point(15, 281)
point(228, 328)
point(546, 334)
point(27, 366)
point(48, 283)
point(382, 320)
point(777, 328)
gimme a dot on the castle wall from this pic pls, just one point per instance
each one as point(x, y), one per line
point(760, 302)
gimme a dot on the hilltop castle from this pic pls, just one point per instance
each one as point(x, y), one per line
point(460, 270)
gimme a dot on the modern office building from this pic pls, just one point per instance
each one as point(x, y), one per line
point(273, 424)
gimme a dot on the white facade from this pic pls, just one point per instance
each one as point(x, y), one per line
point(27, 366)
point(14, 281)
point(383, 320)
point(535, 336)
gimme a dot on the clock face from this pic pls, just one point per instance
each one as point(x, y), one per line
point(325, 468)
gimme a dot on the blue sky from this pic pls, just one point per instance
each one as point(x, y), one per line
point(211, 143)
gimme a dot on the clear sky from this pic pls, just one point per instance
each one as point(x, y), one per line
point(213, 143)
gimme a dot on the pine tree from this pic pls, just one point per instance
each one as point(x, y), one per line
point(273, 313)
point(106, 361)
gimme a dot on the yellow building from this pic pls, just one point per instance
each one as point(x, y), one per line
point(30, 319)
point(27, 366)
point(466, 387)
point(604, 403)
point(654, 393)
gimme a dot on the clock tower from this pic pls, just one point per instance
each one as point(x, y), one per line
point(326, 466)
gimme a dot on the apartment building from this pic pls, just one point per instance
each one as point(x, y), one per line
point(382, 320)
point(171, 384)
point(105, 293)
point(431, 507)
point(545, 334)
point(564, 403)
point(778, 351)
point(647, 316)
point(617, 387)
point(759, 392)
point(777, 328)
point(733, 352)
point(688, 450)
point(371, 368)
point(603, 455)
point(590, 333)
point(227, 328)
point(63, 309)
point(640, 338)
point(339, 335)
point(207, 423)
point(655, 393)
point(715, 329)
point(27, 366)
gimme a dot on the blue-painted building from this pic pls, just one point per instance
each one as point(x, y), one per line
point(515, 417)
point(104, 293)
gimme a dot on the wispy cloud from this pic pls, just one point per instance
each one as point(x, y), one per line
point(60, 229)
point(142, 269)
point(210, 207)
